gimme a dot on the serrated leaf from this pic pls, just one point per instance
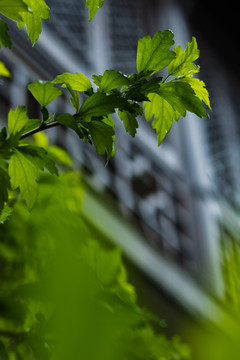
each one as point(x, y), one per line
point(153, 54)
point(100, 104)
point(4, 185)
point(78, 82)
point(24, 175)
point(17, 120)
point(183, 63)
point(44, 92)
point(33, 24)
point(112, 79)
point(163, 114)
point(39, 157)
point(182, 98)
point(4, 71)
point(199, 88)
point(4, 37)
point(102, 136)
point(33, 18)
point(93, 6)
point(129, 121)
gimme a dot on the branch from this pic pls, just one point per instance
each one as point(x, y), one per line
point(40, 128)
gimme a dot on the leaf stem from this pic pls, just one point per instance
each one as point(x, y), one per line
point(40, 128)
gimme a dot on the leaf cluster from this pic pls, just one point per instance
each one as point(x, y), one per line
point(142, 93)
point(50, 311)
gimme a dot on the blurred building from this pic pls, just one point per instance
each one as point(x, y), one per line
point(167, 207)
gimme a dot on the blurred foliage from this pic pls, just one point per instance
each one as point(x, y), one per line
point(65, 295)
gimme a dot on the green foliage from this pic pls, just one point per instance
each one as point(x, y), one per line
point(45, 307)
point(84, 309)
point(93, 6)
point(17, 119)
point(44, 92)
point(4, 71)
point(78, 82)
point(24, 168)
point(110, 80)
point(154, 54)
point(26, 12)
point(164, 100)
point(4, 37)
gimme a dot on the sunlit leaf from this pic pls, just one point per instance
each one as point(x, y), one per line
point(182, 98)
point(154, 54)
point(183, 63)
point(163, 114)
point(17, 120)
point(199, 88)
point(13, 9)
point(44, 92)
point(77, 81)
point(112, 79)
point(4, 71)
point(24, 175)
point(93, 6)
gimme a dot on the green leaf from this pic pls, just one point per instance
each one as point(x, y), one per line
point(39, 157)
point(182, 98)
point(112, 79)
point(44, 91)
point(77, 81)
point(4, 185)
point(75, 101)
point(129, 121)
point(102, 136)
point(163, 114)
point(31, 125)
point(140, 88)
point(33, 18)
point(38, 7)
point(100, 104)
point(69, 121)
point(4, 37)
point(6, 212)
point(24, 175)
point(29, 12)
point(24, 170)
point(183, 63)
point(153, 54)
point(97, 79)
point(13, 9)
point(4, 71)
point(93, 6)
point(17, 120)
point(199, 88)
